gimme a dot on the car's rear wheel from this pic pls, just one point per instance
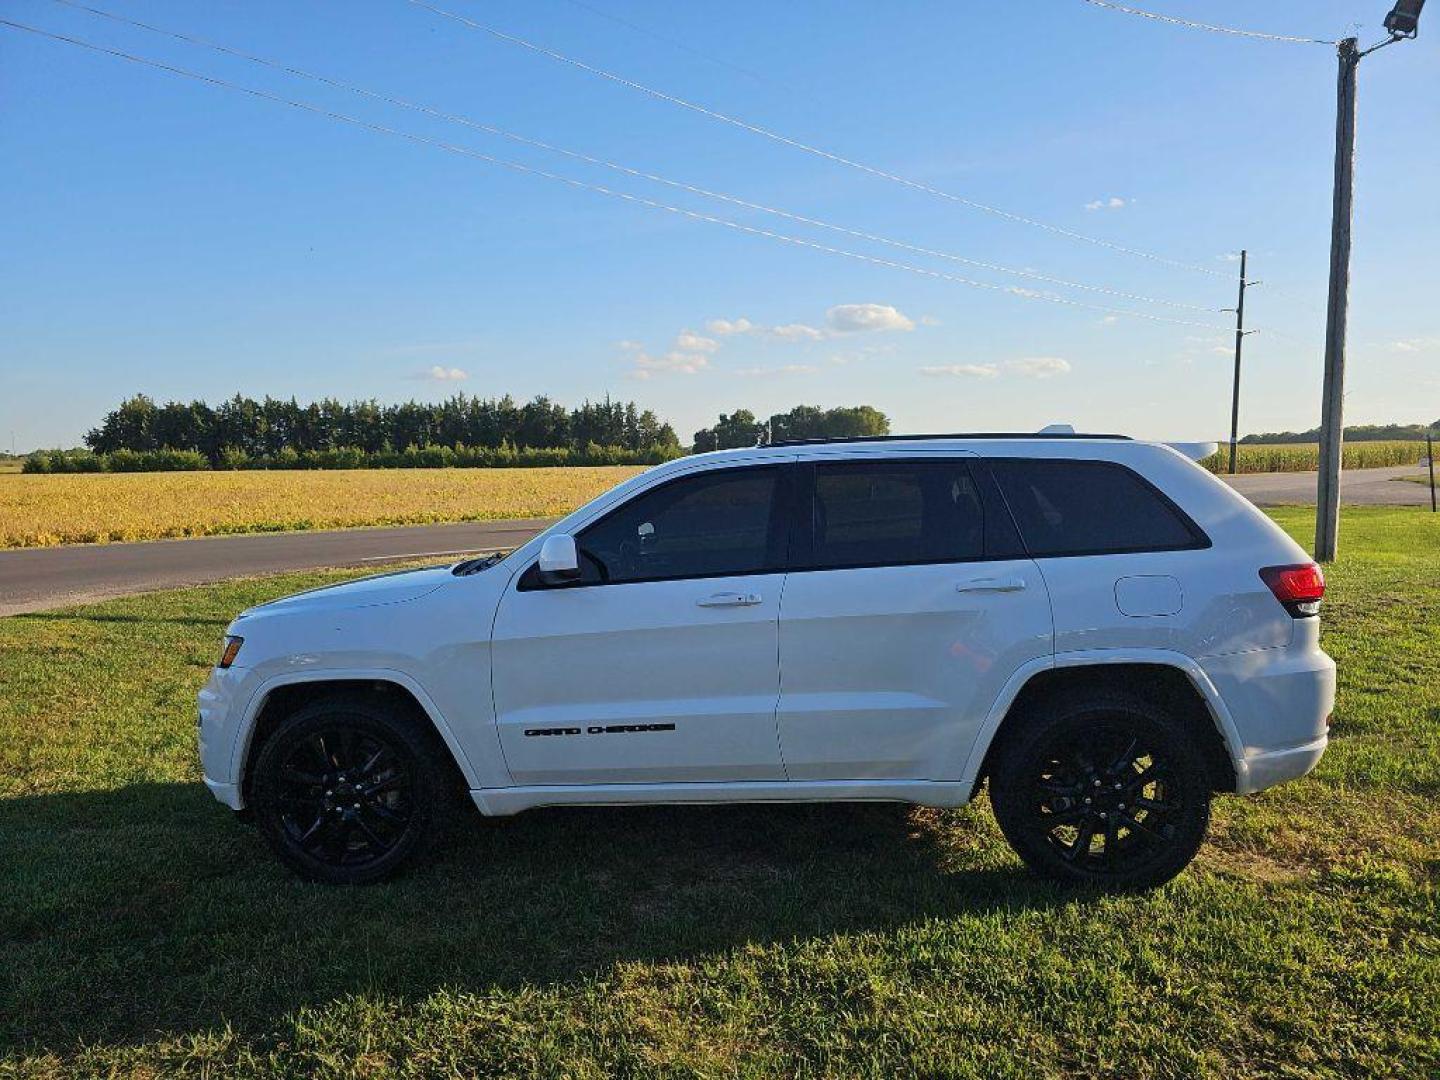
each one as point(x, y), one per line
point(1104, 790)
point(348, 791)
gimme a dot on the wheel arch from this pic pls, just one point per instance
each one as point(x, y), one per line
point(280, 697)
point(1175, 678)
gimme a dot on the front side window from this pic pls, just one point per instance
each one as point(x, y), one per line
point(893, 513)
point(717, 523)
point(1090, 508)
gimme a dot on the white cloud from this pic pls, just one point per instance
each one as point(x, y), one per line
point(725, 327)
point(1109, 320)
point(673, 362)
point(1413, 345)
point(1038, 367)
point(929, 320)
point(860, 318)
point(1222, 350)
point(1114, 202)
point(797, 332)
point(689, 341)
point(628, 345)
point(436, 373)
point(785, 369)
point(968, 371)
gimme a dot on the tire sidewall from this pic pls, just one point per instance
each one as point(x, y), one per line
point(363, 718)
point(1023, 756)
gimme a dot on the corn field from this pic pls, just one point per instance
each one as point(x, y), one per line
point(1305, 457)
point(38, 511)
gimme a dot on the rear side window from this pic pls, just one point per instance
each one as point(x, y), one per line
point(1091, 508)
point(891, 513)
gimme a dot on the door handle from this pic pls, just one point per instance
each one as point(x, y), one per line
point(992, 584)
point(730, 599)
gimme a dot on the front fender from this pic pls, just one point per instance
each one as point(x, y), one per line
point(476, 776)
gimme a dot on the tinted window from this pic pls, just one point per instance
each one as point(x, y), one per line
point(1089, 507)
point(720, 522)
point(867, 514)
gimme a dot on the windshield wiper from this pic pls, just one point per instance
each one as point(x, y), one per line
point(478, 563)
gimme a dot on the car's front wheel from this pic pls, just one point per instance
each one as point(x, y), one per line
point(1102, 789)
point(348, 790)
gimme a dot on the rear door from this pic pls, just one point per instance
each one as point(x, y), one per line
point(908, 606)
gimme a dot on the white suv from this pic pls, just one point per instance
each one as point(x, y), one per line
point(1099, 627)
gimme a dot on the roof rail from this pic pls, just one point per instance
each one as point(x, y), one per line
point(950, 435)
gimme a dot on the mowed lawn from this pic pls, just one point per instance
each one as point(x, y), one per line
point(39, 510)
point(144, 932)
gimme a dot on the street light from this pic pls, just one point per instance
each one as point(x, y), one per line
point(1404, 19)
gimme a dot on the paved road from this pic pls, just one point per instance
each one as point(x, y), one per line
point(1358, 487)
point(35, 579)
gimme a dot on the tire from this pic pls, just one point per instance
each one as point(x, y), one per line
point(1102, 789)
point(349, 790)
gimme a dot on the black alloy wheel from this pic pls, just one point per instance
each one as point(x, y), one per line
point(1107, 792)
point(344, 797)
point(347, 791)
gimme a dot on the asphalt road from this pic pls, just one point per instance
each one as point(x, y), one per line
point(34, 579)
point(1358, 487)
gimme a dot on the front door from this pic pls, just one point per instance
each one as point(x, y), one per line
point(908, 607)
point(660, 664)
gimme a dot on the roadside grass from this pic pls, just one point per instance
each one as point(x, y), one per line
point(143, 932)
point(41, 510)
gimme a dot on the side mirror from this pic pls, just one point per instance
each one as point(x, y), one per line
point(559, 561)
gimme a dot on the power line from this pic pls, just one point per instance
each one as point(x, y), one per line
point(264, 95)
point(797, 144)
point(1191, 24)
point(674, 43)
point(577, 155)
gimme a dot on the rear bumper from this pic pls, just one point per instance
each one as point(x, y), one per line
point(1260, 771)
point(1279, 703)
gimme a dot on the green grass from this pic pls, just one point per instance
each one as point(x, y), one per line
point(143, 932)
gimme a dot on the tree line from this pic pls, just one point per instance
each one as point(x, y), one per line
point(276, 432)
point(742, 428)
point(140, 435)
point(1355, 433)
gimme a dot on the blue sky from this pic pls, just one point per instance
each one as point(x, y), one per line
point(182, 240)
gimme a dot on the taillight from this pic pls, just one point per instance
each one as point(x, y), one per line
point(1299, 587)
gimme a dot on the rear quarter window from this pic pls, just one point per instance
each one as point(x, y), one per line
point(1066, 507)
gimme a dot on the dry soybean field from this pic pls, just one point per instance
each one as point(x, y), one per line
point(37, 511)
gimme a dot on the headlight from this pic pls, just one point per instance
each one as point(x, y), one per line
point(230, 651)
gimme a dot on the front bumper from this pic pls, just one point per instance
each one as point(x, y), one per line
point(219, 705)
point(228, 794)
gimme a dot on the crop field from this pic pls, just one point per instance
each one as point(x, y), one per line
point(145, 933)
point(1305, 457)
point(37, 511)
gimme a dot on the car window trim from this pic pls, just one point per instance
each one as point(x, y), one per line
point(1200, 540)
point(778, 534)
point(803, 523)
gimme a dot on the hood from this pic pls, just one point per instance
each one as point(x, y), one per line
point(397, 587)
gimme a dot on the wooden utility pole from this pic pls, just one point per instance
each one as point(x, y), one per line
point(1332, 404)
point(1430, 460)
point(1239, 340)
